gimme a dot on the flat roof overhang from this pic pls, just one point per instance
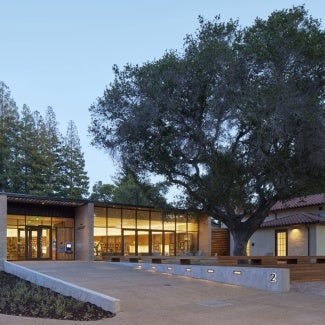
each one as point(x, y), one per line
point(43, 200)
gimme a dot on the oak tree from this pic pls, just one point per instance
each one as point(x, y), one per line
point(236, 119)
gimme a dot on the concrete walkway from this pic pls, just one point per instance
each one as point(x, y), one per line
point(152, 298)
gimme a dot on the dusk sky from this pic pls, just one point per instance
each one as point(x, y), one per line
point(60, 53)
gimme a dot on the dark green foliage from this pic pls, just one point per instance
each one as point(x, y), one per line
point(34, 157)
point(9, 131)
point(102, 192)
point(128, 188)
point(237, 120)
point(31, 162)
point(22, 298)
point(74, 179)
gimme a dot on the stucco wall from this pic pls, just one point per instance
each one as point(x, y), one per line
point(320, 240)
point(262, 242)
point(3, 229)
point(312, 240)
point(298, 241)
point(84, 232)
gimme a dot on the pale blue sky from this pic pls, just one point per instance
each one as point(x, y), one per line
point(60, 53)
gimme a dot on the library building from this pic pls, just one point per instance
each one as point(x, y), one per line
point(45, 228)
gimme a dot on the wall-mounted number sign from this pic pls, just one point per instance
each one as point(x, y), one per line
point(273, 278)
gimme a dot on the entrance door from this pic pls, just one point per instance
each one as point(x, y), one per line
point(281, 243)
point(38, 242)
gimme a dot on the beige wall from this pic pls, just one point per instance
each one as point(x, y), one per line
point(320, 240)
point(84, 232)
point(205, 235)
point(3, 229)
point(298, 241)
point(262, 243)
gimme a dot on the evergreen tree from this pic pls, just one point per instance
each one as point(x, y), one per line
point(131, 189)
point(74, 177)
point(51, 150)
point(31, 162)
point(102, 192)
point(9, 130)
point(34, 157)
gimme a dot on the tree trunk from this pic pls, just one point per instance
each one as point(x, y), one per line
point(240, 237)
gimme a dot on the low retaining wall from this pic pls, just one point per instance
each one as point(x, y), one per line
point(270, 279)
point(106, 302)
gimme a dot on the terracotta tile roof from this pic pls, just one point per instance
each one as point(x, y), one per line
point(295, 219)
point(309, 200)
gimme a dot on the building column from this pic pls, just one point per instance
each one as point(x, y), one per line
point(3, 229)
point(205, 235)
point(84, 232)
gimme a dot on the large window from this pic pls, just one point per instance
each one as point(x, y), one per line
point(132, 231)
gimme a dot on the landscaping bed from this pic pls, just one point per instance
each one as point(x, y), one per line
point(22, 298)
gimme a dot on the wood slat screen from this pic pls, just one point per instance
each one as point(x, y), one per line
point(220, 242)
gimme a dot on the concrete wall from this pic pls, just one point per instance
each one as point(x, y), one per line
point(84, 232)
point(106, 302)
point(262, 243)
point(3, 229)
point(205, 235)
point(270, 279)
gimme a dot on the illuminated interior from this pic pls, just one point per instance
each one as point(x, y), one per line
point(121, 231)
point(32, 236)
point(38, 231)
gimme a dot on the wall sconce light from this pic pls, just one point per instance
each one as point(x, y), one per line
point(237, 272)
point(210, 271)
point(153, 267)
point(188, 269)
point(169, 268)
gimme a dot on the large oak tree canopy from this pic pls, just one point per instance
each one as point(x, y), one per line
point(236, 119)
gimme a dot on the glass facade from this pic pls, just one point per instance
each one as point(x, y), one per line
point(33, 234)
point(45, 229)
point(138, 231)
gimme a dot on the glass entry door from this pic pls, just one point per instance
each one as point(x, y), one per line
point(38, 242)
point(281, 243)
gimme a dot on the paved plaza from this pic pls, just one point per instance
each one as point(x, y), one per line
point(152, 298)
